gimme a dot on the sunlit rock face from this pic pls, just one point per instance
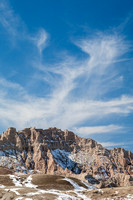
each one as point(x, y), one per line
point(53, 151)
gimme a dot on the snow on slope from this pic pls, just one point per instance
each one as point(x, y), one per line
point(27, 183)
point(62, 157)
point(10, 158)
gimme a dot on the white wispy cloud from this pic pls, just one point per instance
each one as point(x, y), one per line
point(13, 90)
point(98, 129)
point(40, 40)
point(63, 107)
point(10, 21)
point(42, 112)
point(16, 28)
point(115, 145)
point(79, 87)
point(6, 18)
point(111, 144)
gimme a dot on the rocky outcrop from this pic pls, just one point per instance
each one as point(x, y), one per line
point(117, 180)
point(53, 151)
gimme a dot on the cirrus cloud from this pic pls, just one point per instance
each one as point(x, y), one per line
point(79, 88)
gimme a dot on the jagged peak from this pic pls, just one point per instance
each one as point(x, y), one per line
point(11, 129)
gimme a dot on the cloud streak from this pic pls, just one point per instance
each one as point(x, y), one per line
point(63, 107)
point(7, 18)
point(79, 88)
point(17, 30)
point(98, 129)
point(54, 112)
point(40, 40)
point(115, 145)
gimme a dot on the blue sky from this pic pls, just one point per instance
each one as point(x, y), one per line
point(68, 64)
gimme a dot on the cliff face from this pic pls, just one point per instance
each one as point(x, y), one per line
point(53, 151)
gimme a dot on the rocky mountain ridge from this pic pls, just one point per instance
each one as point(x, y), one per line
point(53, 151)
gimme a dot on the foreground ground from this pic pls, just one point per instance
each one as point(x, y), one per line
point(48, 187)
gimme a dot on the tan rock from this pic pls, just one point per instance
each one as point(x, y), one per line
point(53, 151)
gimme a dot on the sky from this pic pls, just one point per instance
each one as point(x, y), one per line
point(68, 64)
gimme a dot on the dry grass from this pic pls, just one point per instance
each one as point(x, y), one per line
point(48, 182)
point(46, 196)
point(23, 177)
point(78, 182)
point(51, 182)
point(5, 180)
point(5, 171)
point(113, 193)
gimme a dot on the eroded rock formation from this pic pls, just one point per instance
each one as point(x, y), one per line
point(53, 151)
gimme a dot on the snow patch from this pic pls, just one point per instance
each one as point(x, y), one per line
point(89, 187)
point(62, 158)
point(13, 190)
point(74, 184)
point(2, 186)
point(19, 198)
point(28, 183)
point(16, 180)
